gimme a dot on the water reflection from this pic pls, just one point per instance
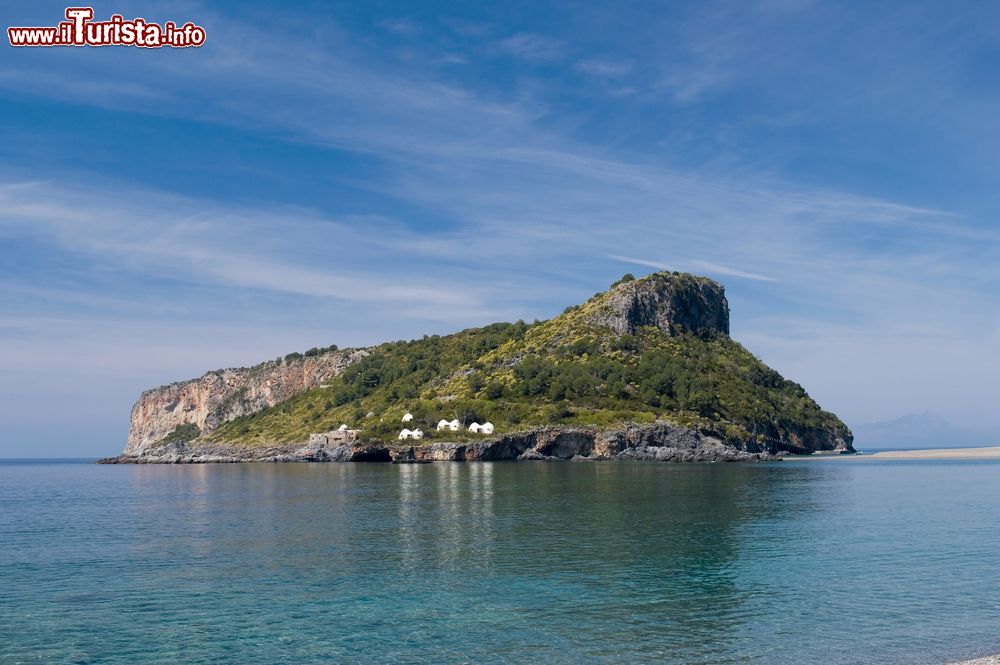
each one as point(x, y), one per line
point(409, 513)
point(487, 562)
point(656, 546)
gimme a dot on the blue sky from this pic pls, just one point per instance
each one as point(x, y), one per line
point(355, 172)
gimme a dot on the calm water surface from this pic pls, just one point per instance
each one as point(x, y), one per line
point(838, 561)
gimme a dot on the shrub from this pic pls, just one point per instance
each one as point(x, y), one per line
point(182, 434)
point(627, 277)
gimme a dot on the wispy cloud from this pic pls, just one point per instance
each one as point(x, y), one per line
point(657, 265)
point(402, 26)
point(604, 68)
point(694, 265)
point(726, 270)
point(467, 28)
point(532, 47)
point(156, 232)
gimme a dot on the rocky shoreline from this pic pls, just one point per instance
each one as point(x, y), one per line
point(658, 442)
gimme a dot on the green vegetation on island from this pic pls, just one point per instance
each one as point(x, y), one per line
point(598, 364)
point(181, 433)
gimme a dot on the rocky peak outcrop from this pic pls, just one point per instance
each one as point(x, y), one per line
point(222, 395)
point(672, 302)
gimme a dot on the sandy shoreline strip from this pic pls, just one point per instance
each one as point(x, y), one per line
point(992, 452)
point(988, 660)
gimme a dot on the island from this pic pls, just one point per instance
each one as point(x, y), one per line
point(645, 370)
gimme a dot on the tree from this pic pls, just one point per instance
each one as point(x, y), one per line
point(475, 382)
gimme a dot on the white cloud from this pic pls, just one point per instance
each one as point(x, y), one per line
point(402, 26)
point(532, 47)
point(604, 68)
point(466, 28)
point(694, 265)
point(158, 233)
point(725, 270)
point(657, 265)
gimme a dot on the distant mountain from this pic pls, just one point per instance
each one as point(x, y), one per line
point(920, 430)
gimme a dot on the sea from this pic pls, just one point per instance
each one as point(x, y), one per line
point(830, 561)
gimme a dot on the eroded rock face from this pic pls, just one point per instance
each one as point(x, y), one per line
point(565, 444)
point(672, 303)
point(220, 396)
point(662, 441)
point(501, 448)
point(200, 452)
point(440, 452)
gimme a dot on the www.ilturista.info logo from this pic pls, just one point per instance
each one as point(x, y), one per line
point(81, 30)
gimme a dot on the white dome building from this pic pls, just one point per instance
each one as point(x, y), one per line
point(443, 424)
point(475, 428)
point(407, 417)
point(454, 425)
point(486, 428)
point(417, 434)
point(405, 434)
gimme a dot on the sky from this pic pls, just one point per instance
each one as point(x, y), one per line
point(351, 173)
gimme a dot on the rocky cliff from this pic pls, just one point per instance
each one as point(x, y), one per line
point(660, 442)
point(674, 303)
point(222, 395)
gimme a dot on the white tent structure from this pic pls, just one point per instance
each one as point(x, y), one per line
point(407, 417)
point(475, 427)
point(454, 425)
point(405, 434)
point(417, 434)
point(486, 428)
point(443, 424)
point(342, 428)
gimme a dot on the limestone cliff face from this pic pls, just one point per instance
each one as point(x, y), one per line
point(222, 395)
point(672, 302)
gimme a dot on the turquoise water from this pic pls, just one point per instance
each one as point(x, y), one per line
point(838, 561)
